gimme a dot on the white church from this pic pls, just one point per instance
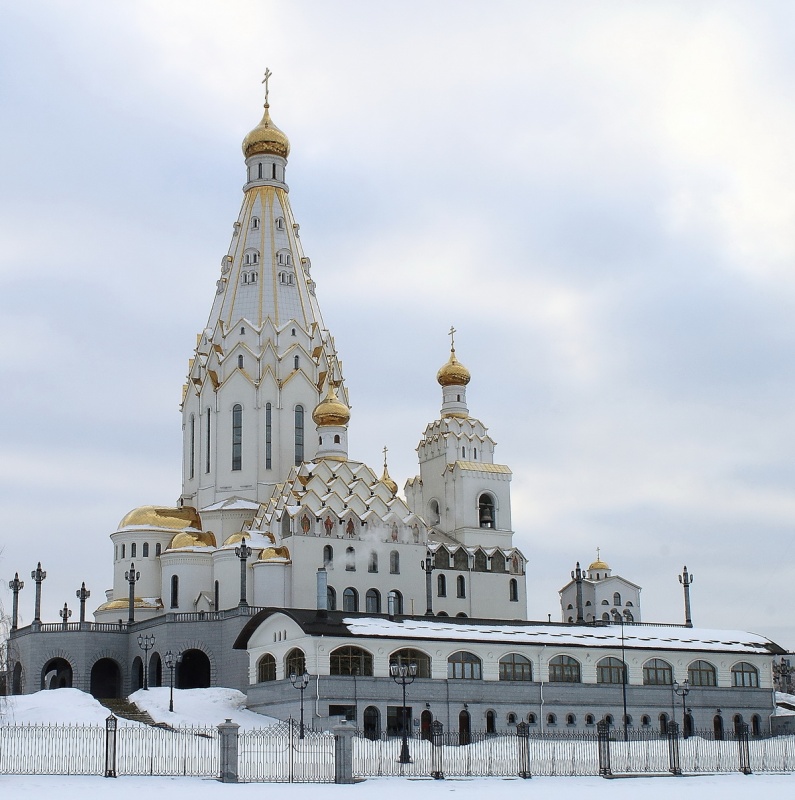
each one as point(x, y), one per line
point(283, 553)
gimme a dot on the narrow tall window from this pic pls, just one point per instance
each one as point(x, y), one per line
point(513, 590)
point(192, 455)
point(207, 453)
point(441, 585)
point(268, 435)
point(158, 549)
point(240, 362)
point(132, 550)
point(237, 437)
point(145, 550)
point(299, 434)
point(259, 170)
point(274, 171)
point(394, 563)
point(175, 591)
point(216, 597)
point(461, 586)
point(295, 363)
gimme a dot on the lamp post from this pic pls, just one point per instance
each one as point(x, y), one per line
point(682, 690)
point(131, 576)
point(171, 661)
point(428, 568)
point(300, 682)
point(243, 553)
point(64, 614)
point(82, 595)
point(146, 643)
point(620, 618)
point(404, 674)
point(16, 586)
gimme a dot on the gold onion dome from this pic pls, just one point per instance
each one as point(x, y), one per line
point(266, 139)
point(274, 554)
point(331, 411)
point(453, 373)
point(187, 539)
point(386, 479)
point(163, 517)
point(598, 564)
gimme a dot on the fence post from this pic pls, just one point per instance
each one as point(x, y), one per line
point(228, 734)
point(343, 753)
point(110, 746)
point(603, 745)
point(674, 766)
point(742, 745)
point(437, 739)
point(523, 739)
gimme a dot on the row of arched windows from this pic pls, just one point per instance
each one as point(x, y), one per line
point(372, 600)
point(460, 587)
point(350, 560)
point(120, 551)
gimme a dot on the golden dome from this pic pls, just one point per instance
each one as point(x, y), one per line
point(163, 517)
point(274, 553)
point(266, 138)
point(453, 373)
point(187, 539)
point(138, 602)
point(331, 410)
point(598, 565)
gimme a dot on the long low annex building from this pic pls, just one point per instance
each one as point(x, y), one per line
point(488, 675)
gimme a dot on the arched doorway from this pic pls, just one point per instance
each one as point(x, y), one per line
point(16, 679)
point(717, 726)
point(464, 722)
point(105, 679)
point(137, 674)
point(155, 670)
point(426, 718)
point(194, 671)
point(738, 724)
point(372, 722)
point(687, 726)
point(57, 674)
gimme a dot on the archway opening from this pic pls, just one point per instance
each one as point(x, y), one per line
point(372, 722)
point(426, 718)
point(105, 679)
point(194, 671)
point(464, 721)
point(155, 670)
point(16, 679)
point(137, 674)
point(57, 674)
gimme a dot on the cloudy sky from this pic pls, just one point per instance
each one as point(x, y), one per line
point(598, 196)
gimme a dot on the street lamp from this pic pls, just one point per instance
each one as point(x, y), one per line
point(171, 661)
point(146, 643)
point(404, 674)
point(617, 616)
point(682, 690)
point(300, 682)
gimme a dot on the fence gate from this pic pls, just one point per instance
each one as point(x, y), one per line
point(279, 754)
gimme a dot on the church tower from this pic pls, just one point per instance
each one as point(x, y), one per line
point(460, 491)
point(263, 361)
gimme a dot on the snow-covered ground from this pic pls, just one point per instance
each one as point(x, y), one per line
point(212, 706)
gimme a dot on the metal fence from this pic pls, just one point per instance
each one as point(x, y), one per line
point(284, 753)
point(184, 751)
point(52, 750)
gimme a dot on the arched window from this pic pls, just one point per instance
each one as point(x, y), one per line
point(371, 720)
point(145, 550)
point(207, 450)
point(123, 548)
point(610, 670)
point(133, 550)
point(515, 667)
point(192, 456)
point(564, 669)
point(491, 722)
point(511, 718)
point(259, 170)
point(158, 549)
point(299, 434)
point(296, 362)
point(394, 563)
point(513, 590)
point(350, 661)
point(663, 720)
point(409, 655)
point(756, 725)
point(237, 436)
point(589, 719)
point(328, 557)
point(737, 720)
point(255, 221)
point(571, 720)
point(687, 726)
point(372, 564)
point(331, 598)
point(336, 438)
point(701, 673)
point(532, 719)
point(266, 668)
point(743, 674)
point(268, 436)
point(552, 719)
point(616, 599)
point(350, 599)
point(350, 559)
point(460, 586)
point(396, 598)
point(657, 672)
point(441, 586)
point(464, 665)
point(216, 596)
point(486, 511)
point(434, 512)
point(295, 662)
point(717, 727)
point(372, 601)
point(175, 591)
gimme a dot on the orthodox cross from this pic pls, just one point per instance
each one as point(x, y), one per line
point(265, 80)
point(452, 334)
point(597, 553)
point(385, 451)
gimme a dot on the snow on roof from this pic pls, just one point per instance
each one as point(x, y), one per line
point(232, 504)
point(641, 636)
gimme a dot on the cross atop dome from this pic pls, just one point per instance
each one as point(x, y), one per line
point(265, 80)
